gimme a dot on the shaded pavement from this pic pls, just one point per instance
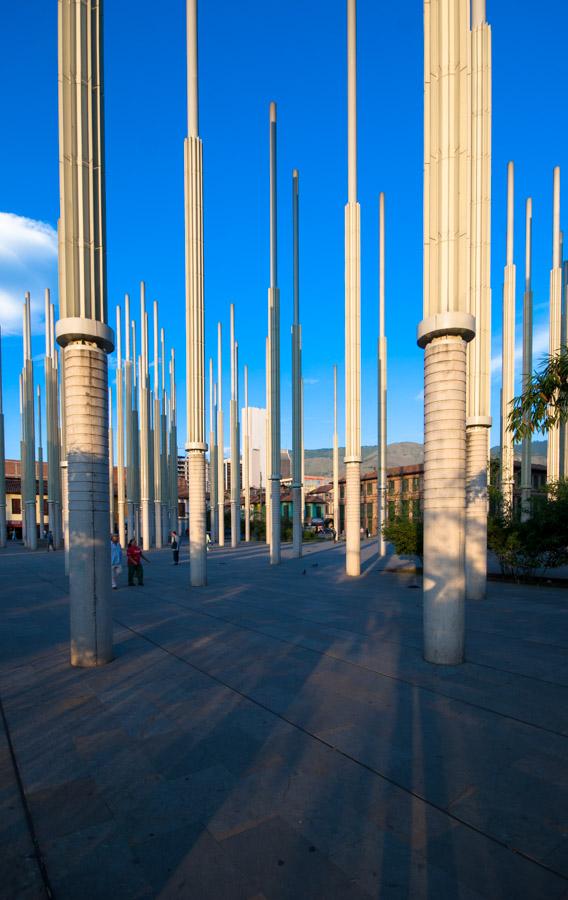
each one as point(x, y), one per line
point(277, 734)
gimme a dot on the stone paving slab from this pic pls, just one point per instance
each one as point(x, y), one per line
point(277, 734)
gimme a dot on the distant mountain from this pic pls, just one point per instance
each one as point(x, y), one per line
point(538, 451)
point(320, 462)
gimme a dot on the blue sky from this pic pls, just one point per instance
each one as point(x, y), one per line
point(294, 53)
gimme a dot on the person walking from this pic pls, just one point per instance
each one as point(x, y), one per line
point(174, 544)
point(50, 544)
point(115, 560)
point(134, 556)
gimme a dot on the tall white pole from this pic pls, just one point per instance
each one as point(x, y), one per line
point(352, 316)
point(447, 325)
point(526, 454)
point(564, 343)
point(157, 474)
point(268, 451)
point(235, 504)
point(382, 390)
point(163, 426)
point(129, 422)
point(246, 461)
point(135, 437)
point(274, 344)
point(478, 403)
point(555, 324)
point(110, 463)
point(41, 492)
point(173, 444)
point(220, 440)
point(121, 493)
point(144, 401)
point(82, 328)
point(195, 369)
point(296, 376)
point(2, 461)
point(29, 498)
point(336, 512)
point(212, 453)
point(508, 361)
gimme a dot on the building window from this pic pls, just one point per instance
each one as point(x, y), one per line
point(392, 510)
point(342, 492)
point(404, 485)
point(415, 484)
point(16, 507)
point(416, 509)
point(369, 487)
point(405, 507)
point(391, 486)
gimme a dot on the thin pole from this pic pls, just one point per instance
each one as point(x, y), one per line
point(274, 345)
point(382, 388)
point(526, 479)
point(246, 461)
point(220, 439)
point(296, 376)
point(352, 318)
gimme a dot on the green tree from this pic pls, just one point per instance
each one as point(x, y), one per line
point(406, 535)
point(544, 401)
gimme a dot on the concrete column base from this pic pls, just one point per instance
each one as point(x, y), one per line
point(197, 540)
point(444, 499)
point(296, 521)
point(353, 517)
point(476, 512)
point(275, 548)
point(86, 412)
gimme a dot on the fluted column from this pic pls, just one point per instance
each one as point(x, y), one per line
point(478, 406)
point(28, 461)
point(110, 463)
point(173, 445)
point(447, 324)
point(508, 358)
point(212, 453)
point(352, 317)
point(220, 440)
point(234, 424)
point(555, 323)
point(267, 442)
point(195, 368)
point(157, 438)
point(144, 401)
point(296, 375)
point(274, 344)
point(52, 426)
point(246, 461)
point(2, 461)
point(382, 390)
point(121, 493)
point(41, 492)
point(336, 514)
point(526, 451)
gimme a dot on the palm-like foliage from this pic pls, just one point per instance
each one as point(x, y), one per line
point(544, 402)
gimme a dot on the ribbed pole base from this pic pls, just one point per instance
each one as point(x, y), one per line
point(86, 413)
point(476, 513)
point(197, 541)
point(444, 499)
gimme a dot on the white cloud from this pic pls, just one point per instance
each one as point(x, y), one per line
point(540, 346)
point(28, 262)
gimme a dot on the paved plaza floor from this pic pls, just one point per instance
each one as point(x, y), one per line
point(278, 736)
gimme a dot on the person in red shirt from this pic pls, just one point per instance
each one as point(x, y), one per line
point(134, 556)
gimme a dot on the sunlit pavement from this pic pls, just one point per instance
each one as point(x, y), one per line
point(278, 735)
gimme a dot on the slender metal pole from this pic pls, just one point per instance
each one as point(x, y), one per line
point(382, 389)
point(157, 474)
point(195, 357)
point(3, 535)
point(336, 513)
point(40, 466)
point(296, 376)
point(110, 463)
point(555, 322)
point(121, 498)
point(212, 455)
point(235, 512)
point(508, 363)
point(274, 344)
point(352, 318)
point(526, 452)
point(220, 439)
point(246, 461)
